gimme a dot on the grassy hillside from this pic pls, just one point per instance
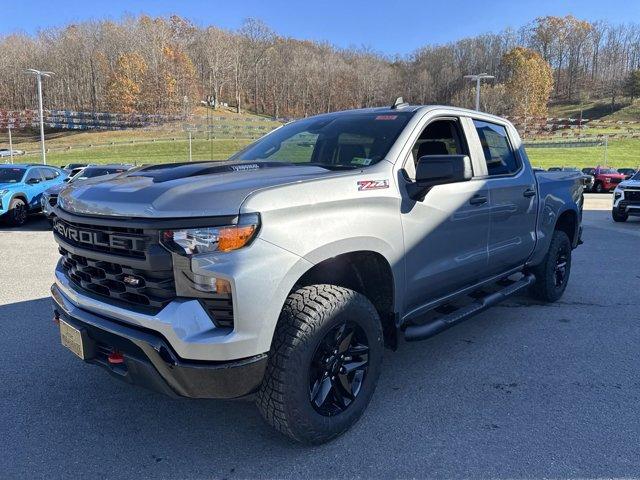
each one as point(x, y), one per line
point(170, 144)
point(620, 153)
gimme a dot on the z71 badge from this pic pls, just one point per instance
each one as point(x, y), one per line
point(372, 184)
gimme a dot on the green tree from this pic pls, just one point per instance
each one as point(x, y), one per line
point(632, 85)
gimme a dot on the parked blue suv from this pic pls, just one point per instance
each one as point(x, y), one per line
point(21, 187)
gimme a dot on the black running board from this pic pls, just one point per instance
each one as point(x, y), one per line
point(414, 333)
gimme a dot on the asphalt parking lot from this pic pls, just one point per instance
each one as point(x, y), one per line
point(524, 390)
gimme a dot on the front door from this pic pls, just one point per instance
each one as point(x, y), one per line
point(446, 234)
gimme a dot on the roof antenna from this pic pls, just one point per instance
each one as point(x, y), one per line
point(399, 103)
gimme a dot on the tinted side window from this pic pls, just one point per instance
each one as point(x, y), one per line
point(499, 155)
point(49, 174)
point(33, 173)
point(440, 137)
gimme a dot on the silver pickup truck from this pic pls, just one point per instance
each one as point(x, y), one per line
point(284, 272)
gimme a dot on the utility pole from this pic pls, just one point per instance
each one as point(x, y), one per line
point(10, 146)
point(39, 74)
point(478, 78)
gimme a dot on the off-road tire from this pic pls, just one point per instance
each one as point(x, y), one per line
point(308, 315)
point(16, 216)
point(546, 288)
point(619, 217)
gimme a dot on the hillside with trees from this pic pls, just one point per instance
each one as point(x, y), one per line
point(169, 65)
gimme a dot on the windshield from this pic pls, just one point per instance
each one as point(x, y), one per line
point(96, 172)
point(345, 140)
point(608, 170)
point(636, 176)
point(11, 175)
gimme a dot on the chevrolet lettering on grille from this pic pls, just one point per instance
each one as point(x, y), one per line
point(96, 238)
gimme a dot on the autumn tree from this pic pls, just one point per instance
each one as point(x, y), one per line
point(529, 82)
point(124, 89)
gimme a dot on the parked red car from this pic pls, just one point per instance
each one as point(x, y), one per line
point(605, 179)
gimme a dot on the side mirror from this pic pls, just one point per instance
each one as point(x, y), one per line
point(67, 180)
point(33, 181)
point(433, 170)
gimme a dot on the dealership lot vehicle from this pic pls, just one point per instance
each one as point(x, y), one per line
point(21, 189)
point(50, 196)
point(626, 199)
point(605, 179)
point(5, 152)
point(287, 269)
point(627, 172)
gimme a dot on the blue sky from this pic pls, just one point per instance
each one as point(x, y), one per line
point(387, 26)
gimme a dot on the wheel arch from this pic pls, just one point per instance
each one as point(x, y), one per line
point(567, 222)
point(21, 195)
point(367, 272)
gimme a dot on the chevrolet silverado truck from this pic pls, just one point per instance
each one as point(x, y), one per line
point(626, 199)
point(283, 272)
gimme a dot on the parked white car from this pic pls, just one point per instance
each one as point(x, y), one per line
point(5, 152)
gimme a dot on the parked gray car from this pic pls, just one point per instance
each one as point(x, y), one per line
point(285, 271)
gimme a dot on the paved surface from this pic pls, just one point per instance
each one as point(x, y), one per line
point(524, 390)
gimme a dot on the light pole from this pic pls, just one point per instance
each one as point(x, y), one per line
point(478, 78)
point(39, 74)
point(10, 146)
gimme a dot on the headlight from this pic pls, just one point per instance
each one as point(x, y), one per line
point(193, 241)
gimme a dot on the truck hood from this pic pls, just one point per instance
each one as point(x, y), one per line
point(181, 190)
point(630, 183)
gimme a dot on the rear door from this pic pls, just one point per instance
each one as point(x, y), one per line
point(512, 193)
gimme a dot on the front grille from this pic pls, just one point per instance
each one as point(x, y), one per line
point(632, 195)
point(123, 241)
point(141, 288)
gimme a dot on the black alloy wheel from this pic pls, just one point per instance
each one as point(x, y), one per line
point(18, 212)
point(338, 368)
point(560, 270)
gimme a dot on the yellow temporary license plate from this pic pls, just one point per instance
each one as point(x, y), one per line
point(71, 338)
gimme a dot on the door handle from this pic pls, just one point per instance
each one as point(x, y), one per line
point(529, 192)
point(478, 200)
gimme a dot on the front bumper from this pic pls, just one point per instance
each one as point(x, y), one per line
point(627, 201)
point(150, 362)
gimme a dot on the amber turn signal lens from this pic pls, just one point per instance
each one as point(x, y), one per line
point(232, 238)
